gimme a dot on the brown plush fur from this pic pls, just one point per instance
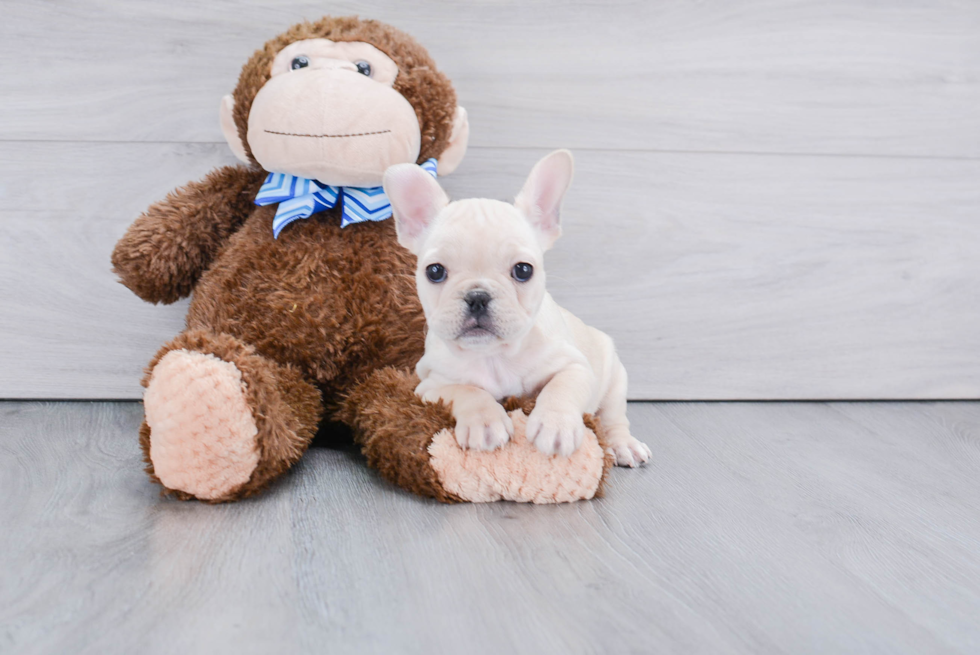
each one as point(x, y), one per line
point(307, 316)
point(336, 303)
point(394, 428)
point(164, 252)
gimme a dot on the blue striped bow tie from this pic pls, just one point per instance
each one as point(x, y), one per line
point(299, 197)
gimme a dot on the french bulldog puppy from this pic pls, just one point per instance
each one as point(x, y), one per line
point(493, 329)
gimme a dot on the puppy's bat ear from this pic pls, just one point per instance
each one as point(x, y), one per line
point(416, 198)
point(540, 199)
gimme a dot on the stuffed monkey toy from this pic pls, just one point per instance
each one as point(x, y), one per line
point(303, 305)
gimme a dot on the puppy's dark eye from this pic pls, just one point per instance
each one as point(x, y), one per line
point(436, 273)
point(300, 62)
point(522, 272)
point(363, 68)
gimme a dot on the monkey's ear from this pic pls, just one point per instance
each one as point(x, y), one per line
point(229, 129)
point(416, 198)
point(458, 139)
point(541, 197)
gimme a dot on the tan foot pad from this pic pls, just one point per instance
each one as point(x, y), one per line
point(202, 433)
point(518, 471)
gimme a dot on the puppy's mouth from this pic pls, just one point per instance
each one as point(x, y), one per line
point(477, 329)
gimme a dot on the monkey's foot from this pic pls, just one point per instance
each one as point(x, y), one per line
point(203, 434)
point(518, 471)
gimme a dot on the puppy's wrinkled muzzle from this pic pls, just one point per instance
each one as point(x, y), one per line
point(478, 323)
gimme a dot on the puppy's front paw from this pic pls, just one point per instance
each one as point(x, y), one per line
point(628, 450)
point(486, 427)
point(554, 431)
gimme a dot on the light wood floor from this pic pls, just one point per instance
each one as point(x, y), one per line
point(758, 528)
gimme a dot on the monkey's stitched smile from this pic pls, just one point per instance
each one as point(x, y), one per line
point(329, 136)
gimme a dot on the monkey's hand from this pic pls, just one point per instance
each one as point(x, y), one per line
point(165, 251)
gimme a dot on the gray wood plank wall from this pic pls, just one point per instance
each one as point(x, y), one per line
point(773, 199)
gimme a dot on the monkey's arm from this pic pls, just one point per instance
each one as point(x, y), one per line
point(164, 251)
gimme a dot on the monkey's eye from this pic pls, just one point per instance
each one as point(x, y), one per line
point(522, 272)
point(436, 273)
point(363, 68)
point(300, 62)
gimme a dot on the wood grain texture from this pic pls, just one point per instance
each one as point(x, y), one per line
point(811, 76)
point(719, 276)
point(757, 528)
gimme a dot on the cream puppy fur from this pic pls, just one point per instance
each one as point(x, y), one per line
point(494, 331)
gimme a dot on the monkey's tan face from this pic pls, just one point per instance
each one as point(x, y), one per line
point(330, 113)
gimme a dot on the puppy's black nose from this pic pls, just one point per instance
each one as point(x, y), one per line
point(477, 301)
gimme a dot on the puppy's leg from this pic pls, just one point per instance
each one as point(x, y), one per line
point(555, 425)
point(481, 422)
point(626, 448)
